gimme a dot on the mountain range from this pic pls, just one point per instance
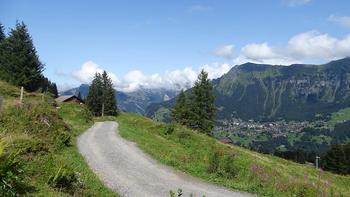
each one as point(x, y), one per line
point(272, 92)
point(136, 101)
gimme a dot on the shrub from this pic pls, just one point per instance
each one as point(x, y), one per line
point(86, 115)
point(169, 129)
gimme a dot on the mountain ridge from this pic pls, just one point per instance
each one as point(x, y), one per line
point(271, 92)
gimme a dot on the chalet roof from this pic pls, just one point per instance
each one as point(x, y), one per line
point(64, 98)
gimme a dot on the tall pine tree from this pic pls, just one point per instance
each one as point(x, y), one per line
point(2, 60)
point(109, 99)
point(20, 64)
point(180, 111)
point(2, 33)
point(202, 109)
point(337, 160)
point(94, 98)
point(101, 97)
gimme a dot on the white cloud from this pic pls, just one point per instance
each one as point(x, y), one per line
point(225, 51)
point(305, 46)
point(312, 44)
point(258, 51)
point(294, 3)
point(136, 79)
point(315, 45)
point(88, 70)
point(342, 20)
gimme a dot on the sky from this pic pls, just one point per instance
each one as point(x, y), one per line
point(164, 44)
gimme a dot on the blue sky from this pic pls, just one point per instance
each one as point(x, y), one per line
point(165, 43)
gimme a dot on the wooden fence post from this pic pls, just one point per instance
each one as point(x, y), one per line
point(21, 97)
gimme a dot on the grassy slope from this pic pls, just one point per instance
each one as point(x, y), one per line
point(339, 116)
point(261, 174)
point(38, 131)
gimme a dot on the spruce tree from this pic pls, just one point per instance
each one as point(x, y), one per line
point(109, 99)
point(101, 96)
point(20, 63)
point(94, 98)
point(180, 111)
point(335, 160)
point(202, 108)
point(2, 33)
point(2, 57)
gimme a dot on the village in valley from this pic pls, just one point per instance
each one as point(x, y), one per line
point(252, 128)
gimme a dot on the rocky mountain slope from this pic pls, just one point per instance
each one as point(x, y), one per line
point(136, 101)
point(272, 92)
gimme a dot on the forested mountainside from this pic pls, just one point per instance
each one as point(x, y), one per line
point(136, 101)
point(272, 92)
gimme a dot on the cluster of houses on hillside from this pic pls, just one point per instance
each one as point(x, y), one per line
point(246, 128)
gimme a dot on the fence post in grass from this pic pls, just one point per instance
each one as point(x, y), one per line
point(21, 97)
point(1, 100)
point(317, 158)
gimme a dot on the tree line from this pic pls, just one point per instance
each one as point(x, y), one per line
point(19, 62)
point(196, 109)
point(337, 159)
point(101, 98)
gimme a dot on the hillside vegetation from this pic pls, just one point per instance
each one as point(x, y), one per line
point(230, 166)
point(38, 151)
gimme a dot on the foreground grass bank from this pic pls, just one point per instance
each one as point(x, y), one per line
point(38, 153)
point(196, 154)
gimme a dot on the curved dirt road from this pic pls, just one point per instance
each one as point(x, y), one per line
point(127, 170)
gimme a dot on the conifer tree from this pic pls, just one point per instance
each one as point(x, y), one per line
point(101, 97)
point(20, 63)
point(48, 86)
point(180, 112)
point(335, 160)
point(2, 33)
point(202, 108)
point(94, 98)
point(2, 39)
point(109, 99)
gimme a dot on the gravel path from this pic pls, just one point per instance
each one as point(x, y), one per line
point(127, 170)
